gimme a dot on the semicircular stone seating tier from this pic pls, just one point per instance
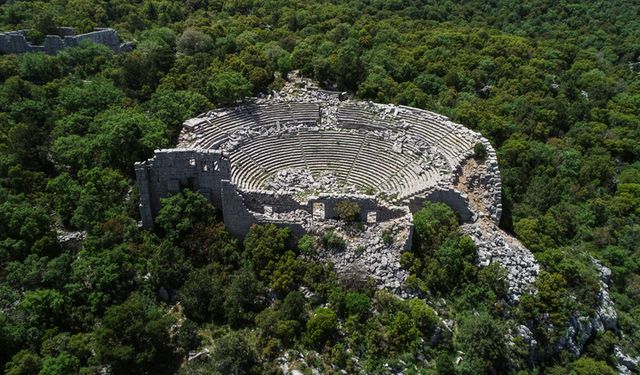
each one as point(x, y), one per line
point(354, 147)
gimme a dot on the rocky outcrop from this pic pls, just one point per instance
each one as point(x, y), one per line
point(71, 239)
point(582, 328)
point(496, 245)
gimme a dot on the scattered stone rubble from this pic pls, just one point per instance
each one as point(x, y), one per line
point(495, 245)
point(366, 254)
point(293, 181)
point(71, 239)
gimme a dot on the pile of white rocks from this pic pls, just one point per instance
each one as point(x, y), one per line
point(495, 245)
point(366, 253)
point(292, 181)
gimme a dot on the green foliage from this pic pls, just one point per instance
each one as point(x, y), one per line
point(38, 67)
point(433, 224)
point(23, 363)
point(479, 151)
point(193, 41)
point(322, 327)
point(174, 107)
point(589, 366)
point(243, 297)
point(228, 87)
point(116, 138)
point(134, 336)
point(287, 273)
point(58, 365)
point(233, 355)
point(181, 212)
point(263, 245)
point(357, 304)
point(92, 199)
point(202, 295)
point(348, 210)
point(483, 340)
point(331, 240)
point(307, 244)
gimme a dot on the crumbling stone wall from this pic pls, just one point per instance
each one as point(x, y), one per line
point(16, 41)
point(451, 197)
point(367, 204)
point(170, 171)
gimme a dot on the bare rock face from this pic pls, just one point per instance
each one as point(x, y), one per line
point(582, 328)
point(626, 364)
point(71, 240)
point(495, 245)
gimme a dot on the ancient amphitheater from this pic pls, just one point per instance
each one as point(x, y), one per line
point(291, 157)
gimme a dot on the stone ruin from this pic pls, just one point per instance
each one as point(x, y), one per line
point(16, 41)
point(290, 157)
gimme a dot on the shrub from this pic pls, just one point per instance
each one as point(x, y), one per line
point(332, 241)
point(233, 355)
point(348, 210)
point(357, 304)
point(321, 328)
point(433, 223)
point(307, 244)
point(387, 237)
point(479, 151)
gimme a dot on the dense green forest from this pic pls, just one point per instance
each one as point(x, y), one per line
point(554, 85)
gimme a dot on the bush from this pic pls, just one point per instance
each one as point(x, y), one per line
point(307, 244)
point(357, 304)
point(181, 212)
point(233, 355)
point(479, 151)
point(228, 88)
point(348, 210)
point(332, 241)
point(321, 328)
point(433, 223)
point(193, 41)
point(483, 339)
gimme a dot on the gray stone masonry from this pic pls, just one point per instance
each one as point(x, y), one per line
point(16, 42)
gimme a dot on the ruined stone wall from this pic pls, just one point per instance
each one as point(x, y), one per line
point(16, 42)
point(451, 197)
point(367, 204)
point(256, 202)
point(237, 217)
point(171, 171)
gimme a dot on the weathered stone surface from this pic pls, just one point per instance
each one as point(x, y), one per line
point(16, 42)
point(71, 240)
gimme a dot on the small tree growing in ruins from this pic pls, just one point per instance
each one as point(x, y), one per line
point(479, 151)
point(348, 211)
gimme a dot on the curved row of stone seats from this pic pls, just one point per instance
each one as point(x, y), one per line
point(286, 113)
point(269, 155)
point(371, 164)
point(217, 128)
point(330, 150)
point(420, 125)
point(245, 172)
point(426, 179)
point(454, 146)
point(352, 116)
point(354, 159)
point(305, 113)
point(272, 114)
